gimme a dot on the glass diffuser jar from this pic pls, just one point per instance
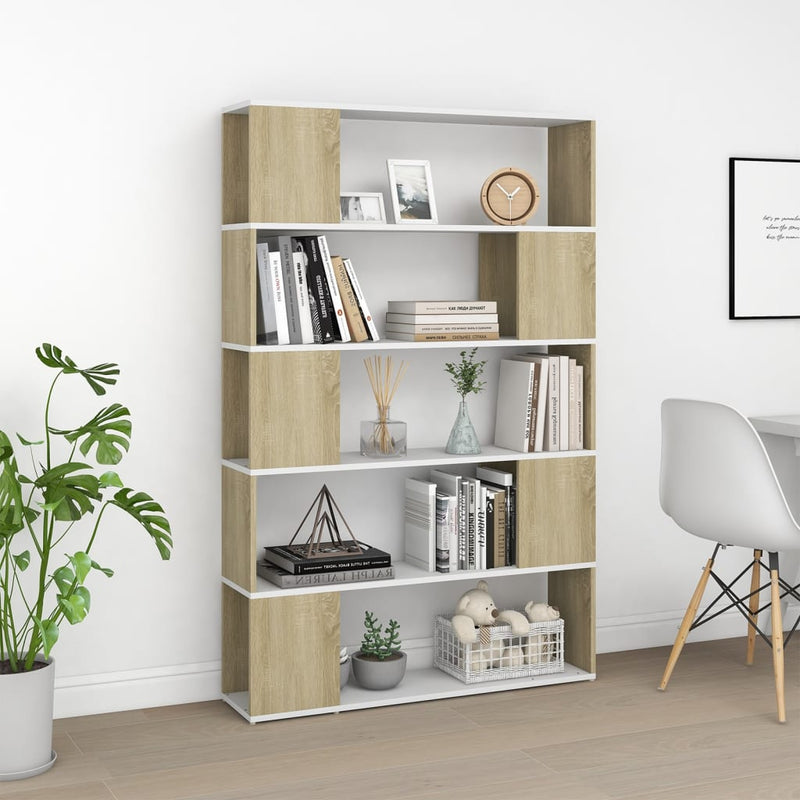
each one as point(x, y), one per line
point(383, 437)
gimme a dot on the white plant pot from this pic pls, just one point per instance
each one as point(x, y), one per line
point(26, 733)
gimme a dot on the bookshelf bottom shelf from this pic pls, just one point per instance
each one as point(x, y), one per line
point(418, 685)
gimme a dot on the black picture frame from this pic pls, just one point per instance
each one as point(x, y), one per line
point(764, 238)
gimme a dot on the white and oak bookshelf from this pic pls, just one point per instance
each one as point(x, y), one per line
point(282, 409)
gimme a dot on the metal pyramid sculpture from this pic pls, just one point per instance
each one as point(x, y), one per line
point(327, 518)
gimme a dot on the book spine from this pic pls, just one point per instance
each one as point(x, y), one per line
point(551, 437)
point(303, 299)
point(464, 327)
point(319, 298)
point(481, 525)
point(358, 331)
point(573, 405)
point(529, 410)
point(284, 248)
point(445, 337)
point(500, 528)
point(278, 297)
point(441, 319)
point(491, 539)
point(362, 301)
point(341, 331)
point(442, 534)
point(264, 327)
point(287, 581)
point(536, 369)
point(579, 405)
point(442, 307)
point(326, 565)
point(463, 503)
point(511, 526)
point(452, 531)
point(563, 403)
point(472, 524)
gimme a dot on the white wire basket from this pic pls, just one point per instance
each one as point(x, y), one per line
point(498, 654)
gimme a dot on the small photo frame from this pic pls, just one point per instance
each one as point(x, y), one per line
point(362, 207)
point(411, 188)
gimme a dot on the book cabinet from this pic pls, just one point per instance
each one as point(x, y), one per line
point(290, 413)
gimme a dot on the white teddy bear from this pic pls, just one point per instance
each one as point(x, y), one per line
point(476, 609)
point(537, 649)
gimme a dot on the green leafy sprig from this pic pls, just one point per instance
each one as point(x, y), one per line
point(377, 641)
point(466, 374)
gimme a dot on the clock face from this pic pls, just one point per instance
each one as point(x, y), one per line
point(509, 196)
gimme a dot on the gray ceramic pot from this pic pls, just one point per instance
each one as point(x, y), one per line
point(378, 674)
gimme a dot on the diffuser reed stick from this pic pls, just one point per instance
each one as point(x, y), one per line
point(384, 382)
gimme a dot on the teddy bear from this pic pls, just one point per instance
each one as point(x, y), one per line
point(475, 609)
point(537, 648)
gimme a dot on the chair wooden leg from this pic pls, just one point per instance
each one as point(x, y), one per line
point(688, 619)
point(754, 601)
point(777, 636)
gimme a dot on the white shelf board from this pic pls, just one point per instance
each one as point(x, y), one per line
point(417, 685)
point(397, 344)
point(405, 575)
point(411, 227)
point(399, 114)
point(417, 457)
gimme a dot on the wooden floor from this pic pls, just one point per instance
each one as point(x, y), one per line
point(713, 734)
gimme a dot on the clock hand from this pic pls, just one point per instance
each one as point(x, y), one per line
point(502, 190)
point(514, 192)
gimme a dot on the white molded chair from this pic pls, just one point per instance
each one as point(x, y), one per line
point(717, 482)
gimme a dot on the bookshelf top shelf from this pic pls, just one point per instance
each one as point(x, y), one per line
point(417, 457)
point(389, 227)
point(435, 115)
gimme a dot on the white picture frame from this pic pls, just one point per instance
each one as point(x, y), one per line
point(362, 207)
point(411, 190)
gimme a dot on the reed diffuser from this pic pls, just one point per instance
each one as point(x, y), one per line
point(383, 437)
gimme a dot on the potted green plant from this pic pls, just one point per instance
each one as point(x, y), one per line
point(380, 663)
point(465, 376)
point(43, 578)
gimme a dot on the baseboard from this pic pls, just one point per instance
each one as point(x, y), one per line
point(144, 688)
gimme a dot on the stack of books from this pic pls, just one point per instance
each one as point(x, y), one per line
point(308, 296)
point(459, 521)
point(442, 320)
point(539, 403)
point(290, 566)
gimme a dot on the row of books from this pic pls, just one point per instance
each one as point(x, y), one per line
point(442, 320)
point(539, 403)
point(290, 566)
point(308, 296)
point(456, 522)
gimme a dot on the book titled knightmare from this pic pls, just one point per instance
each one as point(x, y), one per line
point(332, 558)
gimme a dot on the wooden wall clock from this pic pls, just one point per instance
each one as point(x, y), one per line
point(509, 196)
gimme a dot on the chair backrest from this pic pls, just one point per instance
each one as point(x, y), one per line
point(717, 480)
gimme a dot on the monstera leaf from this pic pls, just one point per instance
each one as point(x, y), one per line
point(148, 513)
point(66, 494)
point(109, 429)
point(14, 513)
point(51, 356)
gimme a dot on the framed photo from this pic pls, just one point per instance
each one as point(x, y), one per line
point(362, 207)
point(411, 188)
point(764, 238)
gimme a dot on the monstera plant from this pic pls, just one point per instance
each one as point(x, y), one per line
point(59, 497)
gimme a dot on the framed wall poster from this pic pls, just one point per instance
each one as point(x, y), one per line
point(411, 189)
point(764, 238)
point(362, 207)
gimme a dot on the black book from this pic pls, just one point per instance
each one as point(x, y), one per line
point(293, 558)
point(318, 292)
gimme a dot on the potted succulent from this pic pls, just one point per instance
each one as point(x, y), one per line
point(465, 375)
point(380, 663)
point(43, 576)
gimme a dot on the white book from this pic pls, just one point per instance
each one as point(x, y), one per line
point(463, 327)
point(273, 297)
point(442, 306)
point(339, 319)
point(480, 557)
point(440, 319)
point(573, 404)
point(563, 402)
point(362, 301)
point(473, 502)
point(579, 404)
point(538, 419)
point(514, 394)
point(454, 485)
point(298, 312)
point(551, 423)
point(419, 511)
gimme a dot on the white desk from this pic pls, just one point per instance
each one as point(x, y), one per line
point(781, 437)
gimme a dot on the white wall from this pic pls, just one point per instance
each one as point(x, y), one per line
point(109, 185)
